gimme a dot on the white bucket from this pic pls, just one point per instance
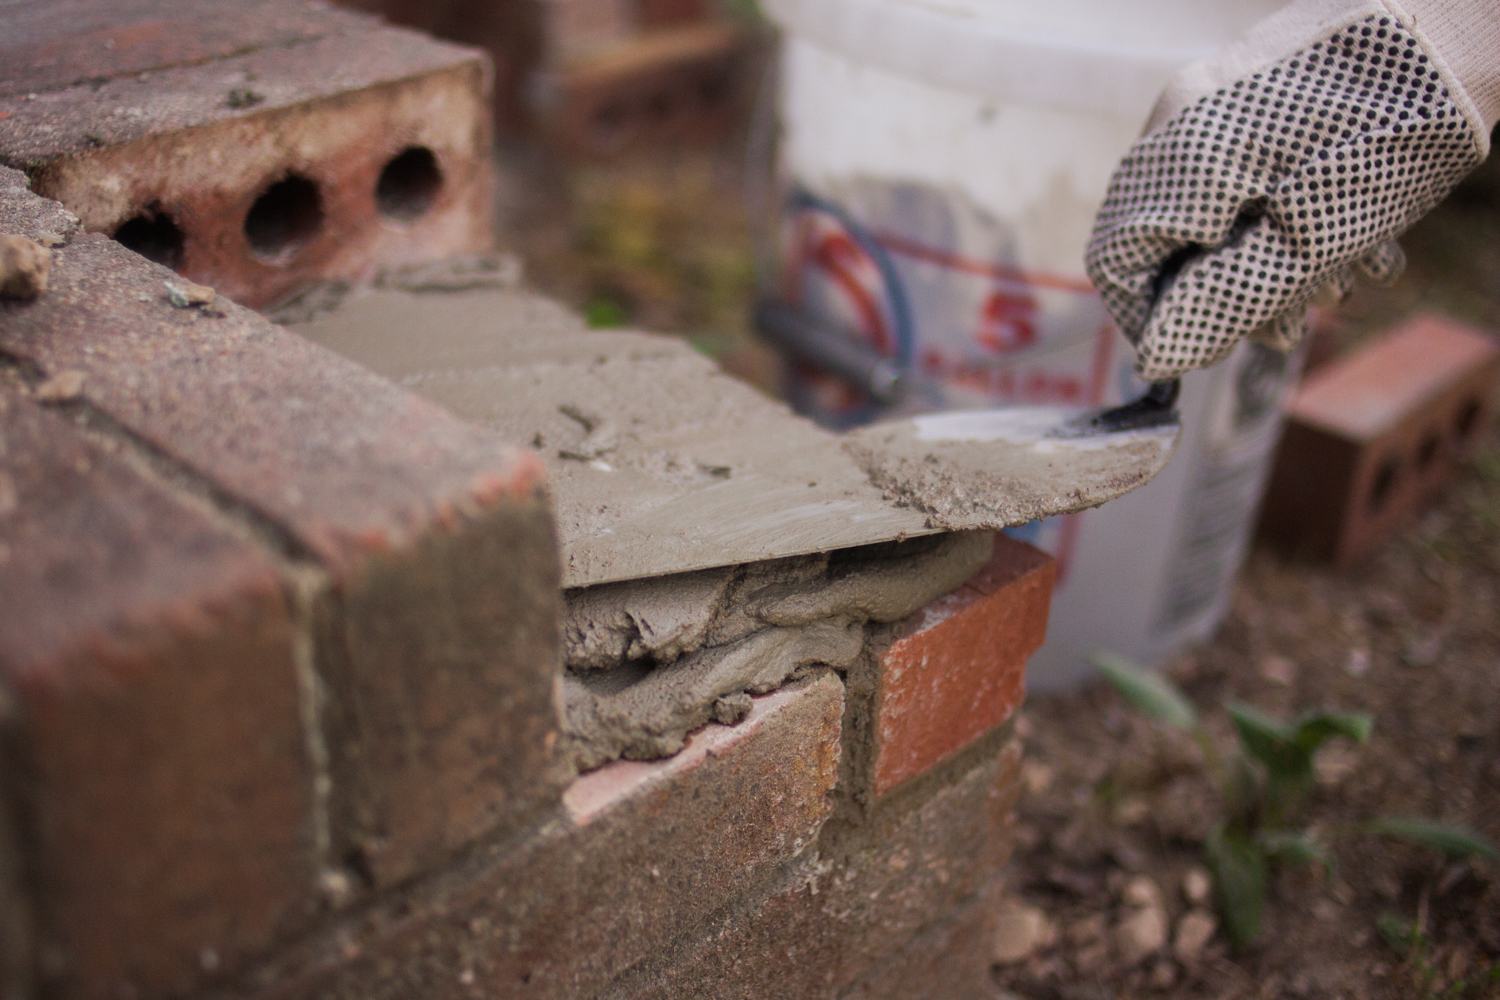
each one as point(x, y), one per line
point(947, 158)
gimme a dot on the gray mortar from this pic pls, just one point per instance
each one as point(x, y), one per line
point(660, 464)
point(650, 661)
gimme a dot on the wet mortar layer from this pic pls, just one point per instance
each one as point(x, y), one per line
point(650, 661)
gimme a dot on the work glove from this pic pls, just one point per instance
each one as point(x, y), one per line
point(1286, 164)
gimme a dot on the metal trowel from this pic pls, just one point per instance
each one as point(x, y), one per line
point(865, 369)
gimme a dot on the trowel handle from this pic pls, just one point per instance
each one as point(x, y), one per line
point(837, 353)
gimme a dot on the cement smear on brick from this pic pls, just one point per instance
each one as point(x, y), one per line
point(661, 464)
point(650, 661)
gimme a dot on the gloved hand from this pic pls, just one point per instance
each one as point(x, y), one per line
point(1281, 166)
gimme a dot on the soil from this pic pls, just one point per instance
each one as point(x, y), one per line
point(1411, 636)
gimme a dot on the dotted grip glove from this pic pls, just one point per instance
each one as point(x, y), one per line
point(1247, 201)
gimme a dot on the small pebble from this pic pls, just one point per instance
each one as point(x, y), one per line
point(1021, 930)
point(1194, 931)
point(186, 294)
point(60, 388)
point(1036, 776)
point(1358, 663)
point(1141, 933)
point(1196, 886)
point(1279, 670)
point(1142, 891)
point(24, 265)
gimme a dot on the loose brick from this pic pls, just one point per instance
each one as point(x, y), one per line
point(1372, 436)
point(438, 626)
point(323, 146)
point(642, 852)
point(957, 668)
point(835, 919)
point(154, 746)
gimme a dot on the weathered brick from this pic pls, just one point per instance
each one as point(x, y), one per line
point(154, 747)
point(950, 961)
point(957, 668)
point(642, 852)
point(438, 625)
point(834, 919)
point(1371, 436)
point(322, 146)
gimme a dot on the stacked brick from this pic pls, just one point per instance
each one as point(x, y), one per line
point(279, 655)
point(257, 148)
point(268, 623)
point(281, 663)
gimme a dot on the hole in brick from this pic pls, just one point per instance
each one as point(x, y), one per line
point(609, 123)
point(1468, 420)
point(712, 90)
point(1428, 451)
point(284, 218)
point(154, 235)
point(660, 105)
point(409, 184)
point(1385, 481)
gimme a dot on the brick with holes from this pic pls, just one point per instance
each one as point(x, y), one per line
point(256, 148)
point(1373, 435)
point(154, 765)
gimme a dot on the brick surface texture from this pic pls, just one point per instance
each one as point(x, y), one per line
point(195, 112)
point(950, 961)
point(157, 732)
point(958, 670)
point(402, 560)
point(836, 918)
point(641, 852)
point(1371, 436)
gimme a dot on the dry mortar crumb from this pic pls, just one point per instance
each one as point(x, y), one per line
point(23, 268)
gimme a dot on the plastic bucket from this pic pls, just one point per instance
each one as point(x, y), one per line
point(944, 162)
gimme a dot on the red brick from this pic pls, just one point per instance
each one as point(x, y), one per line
point(57, 44)
point(155, 744)
point(950, 961)
point(643, 852)
point(836, 919)
point(438, 618)
point(958, 667)
point(201, 143)
point(1372, 436)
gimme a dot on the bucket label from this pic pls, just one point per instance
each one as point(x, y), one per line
point(927, 278)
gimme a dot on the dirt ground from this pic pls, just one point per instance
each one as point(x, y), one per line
point(1412, 636)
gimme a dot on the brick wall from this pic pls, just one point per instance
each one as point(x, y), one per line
point(282, 674)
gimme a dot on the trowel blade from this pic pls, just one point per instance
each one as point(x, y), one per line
point(1003, 467)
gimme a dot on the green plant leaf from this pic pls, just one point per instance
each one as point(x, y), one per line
point(1297, 846)
point(1271, 741)
point(1239, 869)
point(1398, 932)
point(1156, 697)
point(1314, 729)
point(1455, 841)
